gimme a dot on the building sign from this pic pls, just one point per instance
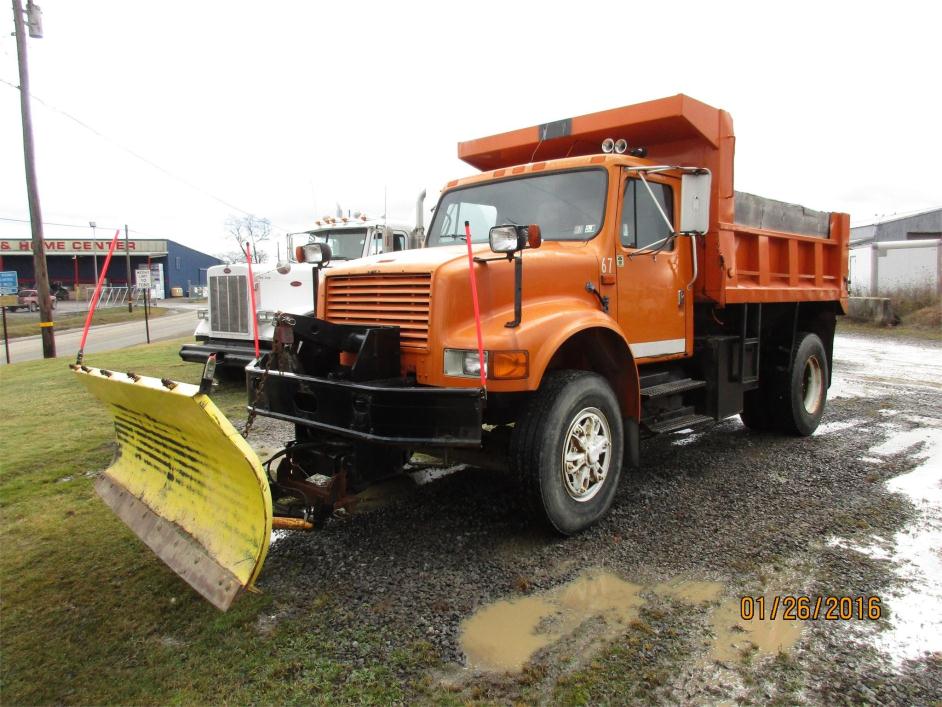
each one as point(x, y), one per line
point(9, 282)
point(157, 281)
point(76, 246)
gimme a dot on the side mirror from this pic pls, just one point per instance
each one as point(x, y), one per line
point(316, 253)
point(695, 202)
point(511, 238)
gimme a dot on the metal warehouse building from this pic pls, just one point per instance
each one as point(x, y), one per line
point(76, 262)
point(898, 254)
point(914, 227)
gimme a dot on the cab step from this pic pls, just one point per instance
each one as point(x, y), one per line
point(672, 388)
point(673, 424)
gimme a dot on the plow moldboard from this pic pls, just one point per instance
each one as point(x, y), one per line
point(185, 482)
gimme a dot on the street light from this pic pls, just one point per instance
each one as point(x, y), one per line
point(34, 20)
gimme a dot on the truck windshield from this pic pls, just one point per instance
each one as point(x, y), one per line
point(345, 244)
point(568, 206)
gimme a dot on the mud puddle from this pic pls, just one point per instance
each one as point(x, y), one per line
point(504, 636)
point(734, 637)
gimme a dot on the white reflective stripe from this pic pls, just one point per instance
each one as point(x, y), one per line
point(658, 348)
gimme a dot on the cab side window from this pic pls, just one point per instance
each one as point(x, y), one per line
point(376, 245)
point(641, 222)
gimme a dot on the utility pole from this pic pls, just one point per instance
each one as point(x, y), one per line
point(32, 191)
point(127, 267)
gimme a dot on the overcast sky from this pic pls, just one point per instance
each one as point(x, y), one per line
point(284, 109)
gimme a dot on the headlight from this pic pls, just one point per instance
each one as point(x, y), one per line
point(510, 238)
point(464, 362)
point(504, 239)
point(265, 316)
point(202, 314)
point(313, 253)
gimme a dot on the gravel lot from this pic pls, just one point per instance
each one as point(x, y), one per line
point(760, 514)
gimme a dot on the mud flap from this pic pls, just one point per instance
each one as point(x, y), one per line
point(185, 482)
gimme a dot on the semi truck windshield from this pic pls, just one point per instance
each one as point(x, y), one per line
point(568, 206)
point(346, 244)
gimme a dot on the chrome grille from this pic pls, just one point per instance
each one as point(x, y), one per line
point(228, 304)
point(400, 299)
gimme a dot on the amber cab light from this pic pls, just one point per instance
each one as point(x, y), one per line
point(534, 236)
point(509, 365)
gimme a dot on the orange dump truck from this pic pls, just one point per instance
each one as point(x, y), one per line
point(624, 289)
point(654, 298)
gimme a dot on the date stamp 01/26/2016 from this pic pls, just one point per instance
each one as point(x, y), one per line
point(809, 608)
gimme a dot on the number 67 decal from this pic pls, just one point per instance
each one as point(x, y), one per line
point(606, 265)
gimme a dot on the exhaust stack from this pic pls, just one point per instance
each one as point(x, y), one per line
point(418, 233)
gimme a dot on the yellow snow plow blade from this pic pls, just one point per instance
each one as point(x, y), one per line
point(185, 482)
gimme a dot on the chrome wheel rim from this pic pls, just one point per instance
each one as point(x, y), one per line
point(587, 454)
point(812, 383)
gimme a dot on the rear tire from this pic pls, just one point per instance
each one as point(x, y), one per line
point(806, 386)
point(757, 410)
point(567, 450)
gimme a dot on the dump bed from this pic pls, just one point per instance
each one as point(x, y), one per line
point(756, 250)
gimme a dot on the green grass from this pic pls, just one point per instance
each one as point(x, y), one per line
point(902, 331)
point(28, 325)
point(90, 616)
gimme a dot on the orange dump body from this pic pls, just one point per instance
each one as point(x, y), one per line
point(738, 263)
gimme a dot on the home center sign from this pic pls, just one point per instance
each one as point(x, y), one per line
point(78, 246)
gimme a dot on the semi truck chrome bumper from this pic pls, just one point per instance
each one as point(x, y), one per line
point(227, 353)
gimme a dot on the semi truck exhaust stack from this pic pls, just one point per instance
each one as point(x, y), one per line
point(418, 233)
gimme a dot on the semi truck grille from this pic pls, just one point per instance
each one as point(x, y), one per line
point(385, 300)
point(228, 303)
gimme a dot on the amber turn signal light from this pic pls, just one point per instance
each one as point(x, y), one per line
point(509, 364)
point(534, 236)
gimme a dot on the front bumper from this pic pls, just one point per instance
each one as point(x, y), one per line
point(382, 412)
point(228, 353)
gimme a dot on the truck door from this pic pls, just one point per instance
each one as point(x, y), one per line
point(652, 298)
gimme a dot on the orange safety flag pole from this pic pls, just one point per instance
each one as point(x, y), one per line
point(94, 303)
point(477, 308)
point(248, 259)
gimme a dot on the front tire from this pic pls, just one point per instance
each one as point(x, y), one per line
point(567, 450)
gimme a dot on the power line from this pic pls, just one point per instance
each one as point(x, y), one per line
point(81, 225)
point(136, 155)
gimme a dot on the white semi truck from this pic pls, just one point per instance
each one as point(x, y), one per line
point(225, 327)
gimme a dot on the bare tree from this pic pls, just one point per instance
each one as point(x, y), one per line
point(232, 256)
point(249, 229)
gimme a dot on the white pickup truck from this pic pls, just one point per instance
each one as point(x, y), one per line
point(225, 327)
